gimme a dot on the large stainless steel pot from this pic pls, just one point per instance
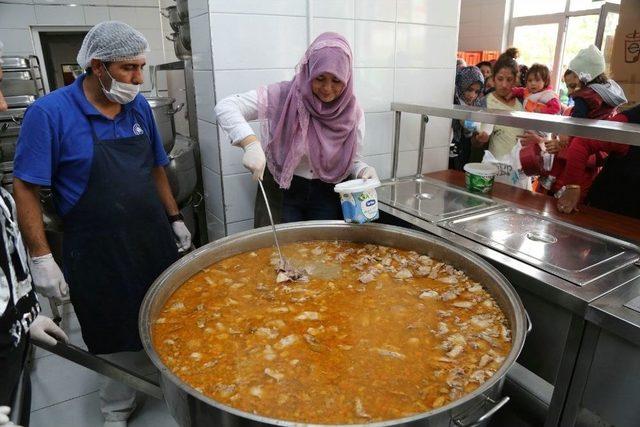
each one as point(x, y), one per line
point(183, 9)
point(163, 112)
point(181, 170)
point(184, 33)
point(179, 49)
point(174, 18)
point(191, 408)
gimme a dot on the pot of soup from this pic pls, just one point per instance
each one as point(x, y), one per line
point(381, 326)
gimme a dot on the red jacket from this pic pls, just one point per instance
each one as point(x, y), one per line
point(598, 109)
point(576, 169)
point(552, 106)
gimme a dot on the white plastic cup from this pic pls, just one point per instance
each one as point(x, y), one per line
point(359, 200)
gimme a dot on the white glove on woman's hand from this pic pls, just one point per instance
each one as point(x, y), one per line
point(44, 329)
point(4, 417)
point(47, 277)
point(254, 159)
point(368, 172)
point(182, 234)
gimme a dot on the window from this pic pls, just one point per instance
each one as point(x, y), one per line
point(575, 5)
point(537, 7)
point(581, 30)
point(536, 43)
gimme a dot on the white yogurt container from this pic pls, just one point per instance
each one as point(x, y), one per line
point(359, 200)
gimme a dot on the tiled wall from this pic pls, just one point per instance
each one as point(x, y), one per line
point(404, 51)
point(483, 24)
point(18, 17)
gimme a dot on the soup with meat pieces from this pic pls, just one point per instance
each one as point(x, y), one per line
point(372, 333)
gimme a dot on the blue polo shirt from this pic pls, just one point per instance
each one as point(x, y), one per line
point(55, 146)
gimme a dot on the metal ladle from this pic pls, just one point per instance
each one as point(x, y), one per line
point(283, 263)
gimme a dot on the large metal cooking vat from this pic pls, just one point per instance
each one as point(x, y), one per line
point(191, 408)
point(163, 112)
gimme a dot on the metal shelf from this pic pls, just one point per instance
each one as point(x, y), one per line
point(625, 133)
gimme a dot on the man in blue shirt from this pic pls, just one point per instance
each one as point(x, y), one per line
point(95, 143)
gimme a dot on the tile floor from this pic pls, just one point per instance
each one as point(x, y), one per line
point(66, 394)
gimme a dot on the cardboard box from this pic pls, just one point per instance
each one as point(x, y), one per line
point(625, 58)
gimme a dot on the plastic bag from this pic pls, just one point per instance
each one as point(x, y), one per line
point(509, 168)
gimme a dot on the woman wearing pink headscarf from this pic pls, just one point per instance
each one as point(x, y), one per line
point(312, 128)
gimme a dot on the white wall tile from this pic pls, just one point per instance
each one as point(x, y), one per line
point(382, 163)
point(16, 41)
point(345, 27)
point(374, 88)
point(154, 37)
point(215, 227)
point(272, 42)
point(239, 195)
point(230, 82)
point(212, 183)
point(435, 159)
point(147, 17)
point(378, 133)
point(132, 3)
point(230, 155)
point(438, 132)
point(239, 227)
point(407, 163)
point(201, 42)
point(434, 12)
point(17, 16)
point(197, 7)
point(333, 8)
point(59, 15)
point(379, 10)
point(205, 98)
point(374, 44)
point(95, 15)
point(426, 47)
point(420, 86)
point(270, 7)
point(123, 14)
point(209, 145)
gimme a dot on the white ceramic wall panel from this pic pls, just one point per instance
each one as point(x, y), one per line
point(378, 133)
point(407, 163)
point(239, 227)
point(230, 155)
point(420, 46)
point(435, 159)
point(212, 183)
point(16, 41)
point(482, 24)
point(375, 42)
point(431, 12)
point(17, 15)
point(209, 145)
point(147, 17)
point(438, 132)
point(154, 37)
point(201, 42)
point(197, 7)
point(262, 7)
point(59, 15)
point(95, 15)
point(374, 88)
point(239, 196)
point(424, 86)
point(215, 226)
point(382, 163)
point(230, 82)
point(205, 99)
point(271, 42)
point(377, 10)
point(333, 8)
point(132, 2)
point(123, 14)
point(345, 27)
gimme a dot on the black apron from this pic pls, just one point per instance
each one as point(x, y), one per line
point(117, 241)
point(614, 188)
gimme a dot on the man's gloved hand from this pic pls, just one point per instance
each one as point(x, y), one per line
point(368, 172)
point(44, 329)
point(47, 277)
point(183, 236)
point(254, 159)
point(4, 417)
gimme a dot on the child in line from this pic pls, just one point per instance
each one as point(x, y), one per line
point(469, 83)
point(538, 96)
point(486, 67)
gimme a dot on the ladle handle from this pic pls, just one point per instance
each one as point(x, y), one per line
point(273, 226)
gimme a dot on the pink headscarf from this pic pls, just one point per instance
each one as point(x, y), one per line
point(295, 122)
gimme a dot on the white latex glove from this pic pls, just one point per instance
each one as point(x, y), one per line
point(4, 417)
point(47, 277)
point(182, 234)
point(44, 329)
point(254, 159)
point(369, 172)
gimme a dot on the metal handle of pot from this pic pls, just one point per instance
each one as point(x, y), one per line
point(170, 38)
point(200, 199)
point(496, 407)
point(529, 322)
point(175, 110)
point(102, 366)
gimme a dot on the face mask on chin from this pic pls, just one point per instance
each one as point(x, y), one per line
point(122, 93)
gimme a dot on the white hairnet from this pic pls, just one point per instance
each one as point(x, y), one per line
point(112, 41)
point(588, 63)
